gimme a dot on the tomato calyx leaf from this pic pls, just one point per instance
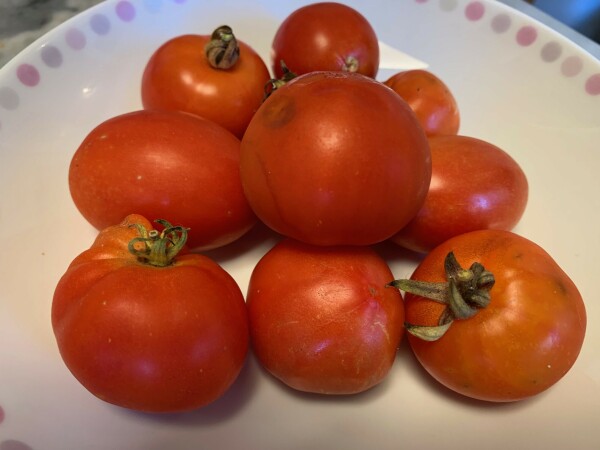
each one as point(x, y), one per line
point(465, 292)
point(158, 248)
point(275, 83)
point(222, 50)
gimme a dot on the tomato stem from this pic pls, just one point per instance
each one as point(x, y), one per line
point(350, 64)
point(275, 83)
point(222, 50)
point(464, 294)
point(158, 248)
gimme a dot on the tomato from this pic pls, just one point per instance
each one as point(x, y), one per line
point(163, 164)
point(524, 341)
point(430, 98)
point(325, 36)
point(335, 158)
point(148, 329)
point(322, 319)
point(474, 185)
point(225, 89)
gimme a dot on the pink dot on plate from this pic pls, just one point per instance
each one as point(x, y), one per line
point(2, 415)
point(75, 39)
point(571, 66)
point(12, 444)
point(592, 85)
point(501, 23)
point(421, 1)
point(100, 24)
point(28, 75)
point(125, 11)
point(474, 11)
point(526, 35)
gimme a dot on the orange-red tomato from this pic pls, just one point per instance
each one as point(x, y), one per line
point(523, 342)
point(474, 185)
point(163, 164)
point(322, 319)
point(335, 158)
point(179, 77)
point(325, 36)
point(430, 98)
point(149, 331)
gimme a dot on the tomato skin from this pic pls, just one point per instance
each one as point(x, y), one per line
point(474, 185)
point(163, 164)
point(524, 342)
point(322, 319)
point(430, 98)
point(321, 36)
point(334, 158)
point(165, 339)
point(178, 77)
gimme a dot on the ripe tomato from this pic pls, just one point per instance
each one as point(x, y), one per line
point(325, 36)
point(163, 164)
point(523, 342)
point(180, 77)
point(430, 98)
point(474, 185)
point(335, 158)
point(147, 329)
point(322, 319)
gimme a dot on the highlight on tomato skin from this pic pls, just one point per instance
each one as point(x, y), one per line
point(474, 185)
point(523, 342)
point(146, 327)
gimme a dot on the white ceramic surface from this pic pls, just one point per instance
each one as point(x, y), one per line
point(519, 85)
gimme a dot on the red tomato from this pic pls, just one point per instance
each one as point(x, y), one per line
point(474, 185)
point(430, 98)
point(322, 319)
point(334, 158)
point(163, 164)
point(180, 77)
point(523, 342)
point(145, 331)
point(325, 36)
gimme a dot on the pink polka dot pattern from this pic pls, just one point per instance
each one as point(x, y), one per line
point(592, 85)
point(28, 75)
point(474, 11)
point(75, 39)
point(125, 11)
point(571, 66)
point(501, 23)
point(526, 35)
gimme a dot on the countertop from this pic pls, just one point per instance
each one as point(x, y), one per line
point(23, 21)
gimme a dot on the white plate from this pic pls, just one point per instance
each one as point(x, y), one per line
point(519, 85)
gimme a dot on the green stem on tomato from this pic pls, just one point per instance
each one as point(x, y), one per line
point(275, 83)
point(158, 248)
point(222, 50)
point(464, 294)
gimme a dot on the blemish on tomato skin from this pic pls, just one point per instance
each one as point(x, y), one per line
point(278, 111)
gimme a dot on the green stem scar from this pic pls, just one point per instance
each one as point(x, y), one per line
point(465, 292)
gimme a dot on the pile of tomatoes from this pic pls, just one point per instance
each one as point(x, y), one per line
point(333, 161)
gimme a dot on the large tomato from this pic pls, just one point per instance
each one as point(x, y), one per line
point(474, 185)
point(430, 98)
point(514, 321)
point(225, 84)
point(322, 319)
point(163, 164)
point(335, 158)
point(146, 329)
point(325, 36)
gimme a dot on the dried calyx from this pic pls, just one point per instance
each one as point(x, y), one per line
point(158, 248)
